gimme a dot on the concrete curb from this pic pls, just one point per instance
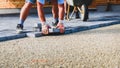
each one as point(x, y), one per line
point(75, 29)
point(83, 28)
point(12, 37)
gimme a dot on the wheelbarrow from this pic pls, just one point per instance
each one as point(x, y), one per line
point(81, 6)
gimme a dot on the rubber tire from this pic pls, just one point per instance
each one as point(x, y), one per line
point(84, 15)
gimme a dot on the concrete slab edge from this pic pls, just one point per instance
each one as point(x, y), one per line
point(83, 28)
point(12, 37)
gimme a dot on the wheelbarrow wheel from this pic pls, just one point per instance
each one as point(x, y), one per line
point(84, 12)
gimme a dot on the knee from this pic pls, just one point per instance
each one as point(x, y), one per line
point(40, 5)
point(28, 5)
point(61, 6)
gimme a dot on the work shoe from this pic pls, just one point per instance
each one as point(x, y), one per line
point(55, 23)
point(61, 27)
point(77, 15)
point(19, 28)
point(65, 17)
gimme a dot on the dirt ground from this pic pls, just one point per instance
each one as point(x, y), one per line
point(97, 48)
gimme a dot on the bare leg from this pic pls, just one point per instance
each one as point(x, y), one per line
point(45, 27)
point(55, 11)
point(61, 11)
point(23, 15)
point(25, 11)
point(41, 13)
point(60, 25)
point(65, 7)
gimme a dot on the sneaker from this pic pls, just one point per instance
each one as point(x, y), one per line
point(77, 15)
point(55, 23)
point(19, 28)
point(65, 17)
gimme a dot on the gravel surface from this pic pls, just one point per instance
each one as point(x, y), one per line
point(97, 48)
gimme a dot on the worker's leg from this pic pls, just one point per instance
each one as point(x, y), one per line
point(60, 24)
point(24, 13)
point(45, 26)
point(55, 11)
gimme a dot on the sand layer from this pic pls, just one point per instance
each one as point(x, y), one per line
point(97, 48)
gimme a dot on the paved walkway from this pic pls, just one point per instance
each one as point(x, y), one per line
point(96, 19)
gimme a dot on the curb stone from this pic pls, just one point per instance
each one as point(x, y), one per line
point(13, 37)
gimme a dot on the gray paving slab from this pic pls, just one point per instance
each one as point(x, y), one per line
point(96, 20)
point(34, 34)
